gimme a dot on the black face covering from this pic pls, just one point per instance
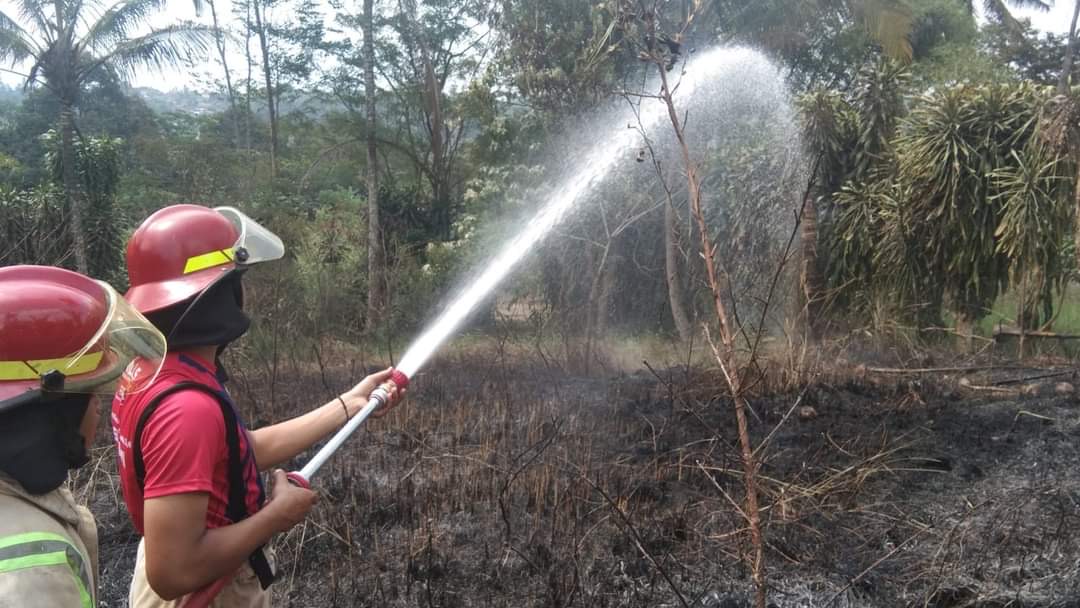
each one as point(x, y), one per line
point(213, 318)
point(40, 441)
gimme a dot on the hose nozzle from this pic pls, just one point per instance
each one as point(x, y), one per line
point(376, 400)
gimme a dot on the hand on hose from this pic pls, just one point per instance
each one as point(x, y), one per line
point(288, 504)
point(357, 397)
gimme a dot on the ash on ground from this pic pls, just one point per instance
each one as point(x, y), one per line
point(501, 485)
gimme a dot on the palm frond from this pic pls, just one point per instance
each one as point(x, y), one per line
point(998, 12)
point(15, 44)
point(34, 12)
point(889, 22)
point(1059, 125)
point(33, 75)
point(879, 102)
point(115, 26)
point(1039, 5)
point(161, 48)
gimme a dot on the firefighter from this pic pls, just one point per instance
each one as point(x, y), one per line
point(189, 467)
point(64, 339)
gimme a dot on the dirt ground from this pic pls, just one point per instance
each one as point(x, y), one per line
point(520, 484)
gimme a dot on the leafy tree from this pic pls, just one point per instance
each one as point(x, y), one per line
point(376, 270)
point(32, 227)
point(998, 11)
point(562, 56)
point(1065, 78)
point(1059, 130)
point(1025, 53)
point(97, 165)
point(950, 146)
point(65, 42)
point(850, 142)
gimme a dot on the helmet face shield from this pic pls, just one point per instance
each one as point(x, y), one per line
point(255, 244)
point(126, 352)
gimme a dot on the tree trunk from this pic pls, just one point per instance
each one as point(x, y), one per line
point(725, 353)
point(598, 304)
point(440, 184)
point(433, 97)
point(72, 187)
point(810, 278)
point(219, 40)
point(676, 294)
point(432, 93)
point(247, 79)
point(1076, 205)
point(376, 253)
point(603, 302)
point(270, 105)
point(1070, 48)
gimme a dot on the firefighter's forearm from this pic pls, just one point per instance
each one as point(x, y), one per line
point(278, 443)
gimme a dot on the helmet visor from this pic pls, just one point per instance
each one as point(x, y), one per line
point(126, 352)
point(256, 244)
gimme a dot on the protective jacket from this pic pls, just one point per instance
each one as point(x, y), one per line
point(48, 549)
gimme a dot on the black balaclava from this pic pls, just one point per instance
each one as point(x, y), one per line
point(214, 317)
point(40, 441)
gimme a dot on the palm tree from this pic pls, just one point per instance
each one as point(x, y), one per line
point(1060, 129)
point(998, 10)
point(1070, 48)
point(67, 42)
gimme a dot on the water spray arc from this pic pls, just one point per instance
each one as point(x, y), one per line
point(598, 162)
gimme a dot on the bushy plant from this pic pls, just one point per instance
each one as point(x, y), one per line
point(33, 228)
point(331, 263)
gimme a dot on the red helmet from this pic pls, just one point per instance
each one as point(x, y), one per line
point(181, 250)
point(63, 332)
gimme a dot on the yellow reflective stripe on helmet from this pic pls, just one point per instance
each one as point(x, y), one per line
point(32, 370)
point(208, 260)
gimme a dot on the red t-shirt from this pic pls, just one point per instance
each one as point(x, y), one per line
point(183, 443)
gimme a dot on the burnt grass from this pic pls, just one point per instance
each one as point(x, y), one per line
point(518, 484)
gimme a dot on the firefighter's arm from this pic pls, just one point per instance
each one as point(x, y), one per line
point(183, 555)
point(276, 444)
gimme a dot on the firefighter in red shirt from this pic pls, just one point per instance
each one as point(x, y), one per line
point(189, 468)
point(64, 339)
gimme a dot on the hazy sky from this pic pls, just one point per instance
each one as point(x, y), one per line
point(1057, 20)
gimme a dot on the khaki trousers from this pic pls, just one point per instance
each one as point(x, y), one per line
point(243, 591)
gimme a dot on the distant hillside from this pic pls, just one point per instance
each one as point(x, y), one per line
point(186, 101)
point(198, 103)
point(193, 102)
point(10, 95)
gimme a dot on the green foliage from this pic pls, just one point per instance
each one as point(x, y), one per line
point(98, 169)
point(1035, 191)
point(561, 55)
point(32, 227)
point(949, 204)
point(949, 148)
point(830, 132)
point(331, 263)
point(1025, 53)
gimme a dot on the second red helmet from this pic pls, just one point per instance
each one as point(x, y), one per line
point(181, 250)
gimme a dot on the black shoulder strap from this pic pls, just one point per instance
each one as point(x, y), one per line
point(237, 506)
point(236, 509)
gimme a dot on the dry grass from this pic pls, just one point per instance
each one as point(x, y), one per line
point(510, 481)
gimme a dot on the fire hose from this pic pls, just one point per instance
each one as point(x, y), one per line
point(378, 398)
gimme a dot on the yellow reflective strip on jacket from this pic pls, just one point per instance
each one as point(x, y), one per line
point(208, 260)
point(32, 369)
point(40, 549)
